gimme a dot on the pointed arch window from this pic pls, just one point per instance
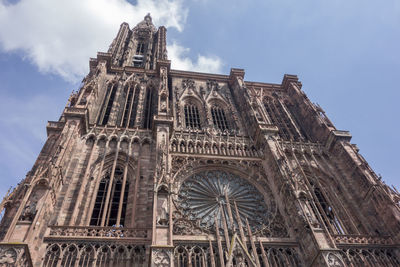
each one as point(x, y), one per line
point(141, 47)
point(130, 110)
point(219, 118)
point(327, 212)
point(111, 200)
point(280, 118)
point(148, 109)
point(107, 104)
point(192, 116)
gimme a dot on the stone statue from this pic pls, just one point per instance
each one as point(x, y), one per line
point(29, 211)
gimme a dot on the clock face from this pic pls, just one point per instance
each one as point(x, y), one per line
point(211, 197)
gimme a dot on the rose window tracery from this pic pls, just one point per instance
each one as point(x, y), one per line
point(212, 196)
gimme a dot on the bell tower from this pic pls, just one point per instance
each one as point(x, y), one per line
point(140, 47)
point(151, 166)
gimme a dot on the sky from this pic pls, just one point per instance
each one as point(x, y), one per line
point(346, 54)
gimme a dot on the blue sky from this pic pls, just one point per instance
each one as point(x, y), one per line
point(346, 53)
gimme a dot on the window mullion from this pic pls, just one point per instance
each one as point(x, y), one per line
point(121, 199)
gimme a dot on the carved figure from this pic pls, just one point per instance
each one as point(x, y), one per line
point(29, 211)
point(162, 217)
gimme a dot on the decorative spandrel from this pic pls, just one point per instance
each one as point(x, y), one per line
point(217, 195)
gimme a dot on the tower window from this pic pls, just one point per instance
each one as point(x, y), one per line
point(219, 118)
point(113, 211)
point(192, 117)
point(107, 104)
point(138, 61)
point(138, 58)
point(327, 213)
point(130, 109)
point(140, 48)
point(148, 109)
point(280, 118)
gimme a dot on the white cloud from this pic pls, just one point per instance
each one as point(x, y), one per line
point(179, 60)
point(60, 36)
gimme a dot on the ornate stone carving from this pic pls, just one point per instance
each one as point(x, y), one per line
point(162, 210)
point(145, 28)
point(8, 257)
point(204, 195)
point(29, 212)
point(14, 255)
point(97, 231)
point(334, 260)
point(161, 258)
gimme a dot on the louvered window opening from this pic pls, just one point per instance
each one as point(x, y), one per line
point(219, 118)
point(280, 118)
point(192, 117)
point(138, 58)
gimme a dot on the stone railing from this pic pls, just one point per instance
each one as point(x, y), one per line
point(363, 240)
point(213, 143)
point(72, 111)
point(98, 232)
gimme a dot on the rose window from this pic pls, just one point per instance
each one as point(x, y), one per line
point(204, 197)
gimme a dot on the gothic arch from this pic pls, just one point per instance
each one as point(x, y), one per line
point(149, 104)
point(52, 256)
point(130, 104)
point(106, 180)
point(193, 112)
point(107, 102)
point(279, 115)
point(220, 114)
point(323, 190)
point(87, 255)
point(69, 255)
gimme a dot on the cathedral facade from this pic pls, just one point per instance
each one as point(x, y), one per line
point(150, 166)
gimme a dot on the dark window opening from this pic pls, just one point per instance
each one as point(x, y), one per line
point(134, 108)
point(107, 105)
point(140, 49)
point(128, 106)
point(192, 117)
point(100, 201)
point(138, 58)
point(113, 208)
point(326, 210)
point(148, 110)
point(219, 118)
point(130, 109)
point(280, 118)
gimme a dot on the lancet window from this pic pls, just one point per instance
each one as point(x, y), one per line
point(280, 117)
point(111, 199)
point(219, 118)
point(192, 116)
point(327, 212)
point(130, 110)
point(107, 104)
point(148, 109)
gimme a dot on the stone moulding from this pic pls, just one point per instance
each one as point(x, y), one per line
point(97, 232)
point(364, 240)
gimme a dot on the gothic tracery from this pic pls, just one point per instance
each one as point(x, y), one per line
point(150, 166)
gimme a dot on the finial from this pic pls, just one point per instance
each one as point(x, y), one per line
point(147, 18)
